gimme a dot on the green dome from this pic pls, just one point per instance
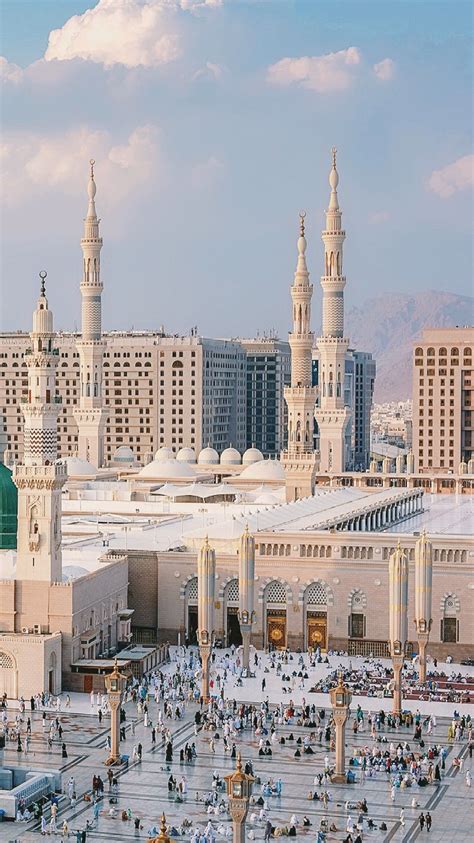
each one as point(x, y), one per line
point(8, 509)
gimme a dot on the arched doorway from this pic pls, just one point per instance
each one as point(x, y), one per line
point(231, 608)
point(192, 610)
point(8, 676)
point(52, 674)
point(275, 615)
point(316, 616)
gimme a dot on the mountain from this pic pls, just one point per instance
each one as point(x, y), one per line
point(387, 325)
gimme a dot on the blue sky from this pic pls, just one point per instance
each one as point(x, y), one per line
point(211, 122)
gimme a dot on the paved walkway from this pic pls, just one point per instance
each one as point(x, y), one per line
point(143, 786)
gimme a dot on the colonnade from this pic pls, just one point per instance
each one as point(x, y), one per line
point(384, 515)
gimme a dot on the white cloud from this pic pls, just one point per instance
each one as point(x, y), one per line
point(378, 217)
point(331, 72)
point(35, 164)
point(385, 70)
point(207, 173)
point(452, 178)
point(9, 72)
point(134, 33)
point(210, 71)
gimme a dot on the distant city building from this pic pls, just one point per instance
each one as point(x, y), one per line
point(268, 372)
point(359, 379)
point(392, 422)
point(443, 400)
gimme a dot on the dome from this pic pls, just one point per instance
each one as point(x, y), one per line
point(167, 470)
point(79, 468)
point(123, 454)
point(264, 470)
point(208, 456)
point(186, 455)
point(164, 454)
point(8, 509)
point(252, 455)
point(230, 457)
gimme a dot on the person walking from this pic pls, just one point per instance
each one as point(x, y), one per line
point(421, 820)
point(428, 821)
point(468, 778)
point(402, 817)
point(268, 831)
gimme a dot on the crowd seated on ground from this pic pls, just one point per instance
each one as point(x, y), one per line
point(374, 679)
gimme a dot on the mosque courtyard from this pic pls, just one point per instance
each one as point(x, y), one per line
point(142, 787)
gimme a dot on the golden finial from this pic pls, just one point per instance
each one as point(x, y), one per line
point(334, 153)
point(43, 275)
point(239, 763)
point(302, 216)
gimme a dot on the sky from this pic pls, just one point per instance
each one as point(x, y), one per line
point(211, 123)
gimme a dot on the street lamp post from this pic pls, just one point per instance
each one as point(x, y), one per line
point(423, 595)
point(239, 790)
point(398, 578)
point(206, 596)
point(163, 837)
point(114, 683)
point(246, 591)
point(340, 700)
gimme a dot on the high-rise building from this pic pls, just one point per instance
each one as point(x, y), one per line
point(268, 373)
point(299, 458)
point(332, 412)
point(443, 400)
point(158, 391)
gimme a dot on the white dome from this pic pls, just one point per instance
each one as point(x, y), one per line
point(230, 457)
point(208, 456)
point(264, 470)
point(252, 455)
point(79, 468)
point(167, 470)
point(164, 454)
point(186, 455)
point(123, 454)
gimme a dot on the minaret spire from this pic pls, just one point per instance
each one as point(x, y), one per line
point(299, 458)
point(40, 477)
point(332, 415)
point(91, 415)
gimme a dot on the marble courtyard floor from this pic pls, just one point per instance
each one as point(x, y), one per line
point(143, 786)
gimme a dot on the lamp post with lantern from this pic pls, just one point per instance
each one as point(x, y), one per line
point(423, 598)
point(246, 592)
point(206, 597)
point(239, 791)
point(341, 698)
point(163, 836)
point(114, 683)
point(398, 587)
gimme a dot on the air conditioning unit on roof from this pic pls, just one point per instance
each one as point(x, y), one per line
point(25, 630)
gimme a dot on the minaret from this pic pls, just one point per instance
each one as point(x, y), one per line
point(332, 415)
point(300, 459)
point(91, 415)
point(39, 478)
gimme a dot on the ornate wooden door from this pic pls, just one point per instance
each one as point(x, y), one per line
point(317, 632)
point(276, 631)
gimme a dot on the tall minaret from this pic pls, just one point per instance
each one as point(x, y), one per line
point(300, 459)
point(91, 415)
point(332, 415)
point(39, 478)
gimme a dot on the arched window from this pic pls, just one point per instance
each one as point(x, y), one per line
point(316, 595)
point(455, 352)
point(232, 592)
point(357, 622)
point(192, 591)
point(275, 592)
point(6, 661)
point(177, 364)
